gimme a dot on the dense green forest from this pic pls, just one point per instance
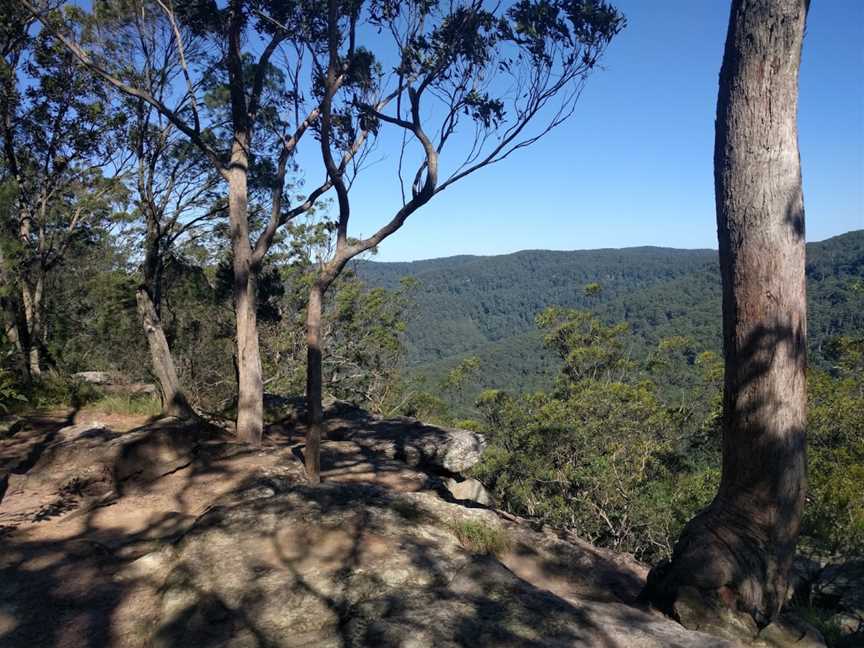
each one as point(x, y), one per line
point(603, 409)
point(485, 306)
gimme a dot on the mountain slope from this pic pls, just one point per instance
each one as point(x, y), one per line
point(486, 305)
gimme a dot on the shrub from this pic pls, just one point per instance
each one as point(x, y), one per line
point(481, 538)
point(11, 394)
point(834, 515)
point(54, 389)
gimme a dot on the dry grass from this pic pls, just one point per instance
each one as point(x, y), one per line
point(481, 538)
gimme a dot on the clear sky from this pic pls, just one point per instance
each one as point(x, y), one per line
point(633, 166)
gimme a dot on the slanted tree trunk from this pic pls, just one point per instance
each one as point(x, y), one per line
point(174, 401)
point(737, 552)
point(250, 400)
point(314, 406)
point(148, 297)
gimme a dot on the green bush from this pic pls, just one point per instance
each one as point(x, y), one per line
point(834, 515)
point(626, 455)
point(12, 396)
point(54, 389)
point(601, 461)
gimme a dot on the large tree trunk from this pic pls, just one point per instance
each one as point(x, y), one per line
point(736, 553)
point(314, 406)
point(174, 401)
point(250, 400)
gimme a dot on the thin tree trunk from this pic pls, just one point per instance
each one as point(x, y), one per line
point(32, 299)
point(250, 400)
point(14, 324)
point(174, 401)
point(314, 406)
point(737, 552)
point(148, 297)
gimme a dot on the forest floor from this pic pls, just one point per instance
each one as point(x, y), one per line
point(84, 495)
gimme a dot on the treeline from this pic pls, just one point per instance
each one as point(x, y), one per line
point(186, 122)
point(95, 326)
point(485, 306)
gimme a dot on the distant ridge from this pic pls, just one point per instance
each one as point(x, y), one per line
point(486, 304)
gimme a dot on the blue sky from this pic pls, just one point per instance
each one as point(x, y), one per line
point(633, 165)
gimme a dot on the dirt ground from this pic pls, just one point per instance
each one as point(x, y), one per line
point(68, 537)
point(85, 494)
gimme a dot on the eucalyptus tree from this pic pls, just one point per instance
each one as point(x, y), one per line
point(480, 83)
point(242, 106)
point(175, 188)
point(736, 553)
point(61, 152)
point(470, 84)
point(175, 196)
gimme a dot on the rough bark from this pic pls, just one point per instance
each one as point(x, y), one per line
point(735, 554)
point(315, 409)
point(250, 399)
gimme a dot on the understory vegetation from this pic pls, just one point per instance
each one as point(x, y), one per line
point(622, 447)
point(625, 452)
point(94, 299)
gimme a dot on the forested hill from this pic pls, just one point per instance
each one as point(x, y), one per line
point(486, 305)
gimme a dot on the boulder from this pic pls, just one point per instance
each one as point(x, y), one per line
point(95, 377)
point(789, 631)
point(704, 611)
point(431, 447)
point(469, 490)
point(284, 564)
point(116, 383)
point(132, 389)
point(291, 410)
point(848, 624)
point(802, 575)
point(840, 587)
point(440, 449)
point(10, 425)
point(87, 463)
